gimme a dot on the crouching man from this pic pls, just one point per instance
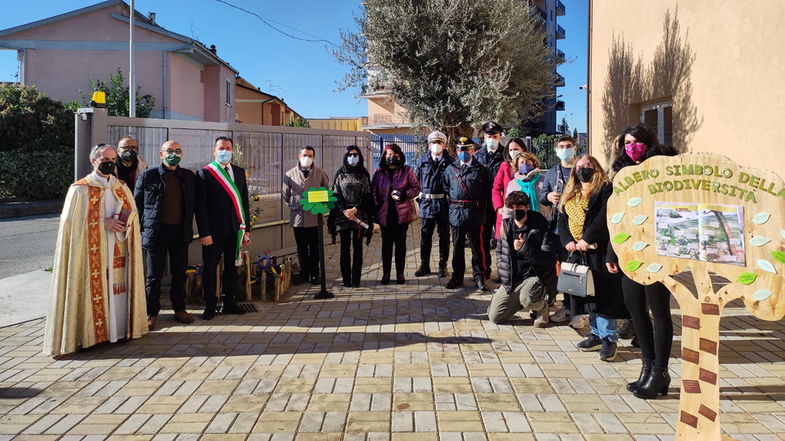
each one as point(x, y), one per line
point(528, 274)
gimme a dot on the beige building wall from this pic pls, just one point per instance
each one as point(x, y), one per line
point(729, 100)
point(186, 89)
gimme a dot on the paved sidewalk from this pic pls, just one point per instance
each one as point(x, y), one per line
point(397, 363)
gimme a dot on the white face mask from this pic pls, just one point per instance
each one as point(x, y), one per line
point(436, 149)
point(515, 153)
point(306, 161)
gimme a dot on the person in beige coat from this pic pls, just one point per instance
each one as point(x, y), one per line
point(296, 181)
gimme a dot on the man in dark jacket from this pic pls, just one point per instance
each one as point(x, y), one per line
point(165, 200)
point(467, 184)
point(433, 203)
point(221, 215)
point(528, 273)
point(491, 155)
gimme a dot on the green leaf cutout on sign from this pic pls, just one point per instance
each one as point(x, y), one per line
point(633, 265)
point(765, 265)
point(326, 200)
point(761, 218)
point(634, 202)
point(759, 241)
point(762, 294)
point(779, 256)
point(639, 219)
point(639, 246)
point(654, 267)
point(747, 278)
point(621, 238)
point(616, 218)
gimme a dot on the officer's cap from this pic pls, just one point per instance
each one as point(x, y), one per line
point(464, 142)
point(437, 136)
point(492, 127)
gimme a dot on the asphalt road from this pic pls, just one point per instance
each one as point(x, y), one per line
point(27, 244)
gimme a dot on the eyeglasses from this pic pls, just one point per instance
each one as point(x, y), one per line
point(176, 152)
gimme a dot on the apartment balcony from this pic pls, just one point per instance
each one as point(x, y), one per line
point(388, 119)
point(373, 92)
point(560, 9)
point(559, 80)
point(560, 34)
point(560, 57)
point(559, 106)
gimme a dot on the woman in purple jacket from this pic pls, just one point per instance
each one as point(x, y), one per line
point(394, 187)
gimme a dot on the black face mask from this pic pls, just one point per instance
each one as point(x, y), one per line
point(394, 161)
point(520, 213)
point(106, 167)
point(585, 174)
point(128, 155)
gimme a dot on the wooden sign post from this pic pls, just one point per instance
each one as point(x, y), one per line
point(711, 231)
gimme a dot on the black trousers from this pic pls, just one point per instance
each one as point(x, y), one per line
point(478, 251)
point(211, 255)
point(351, 262)
point(655, 333)
point(170, 243)
point(394, 236)
point(307, 239)
point(487, 235)
point(442, 226)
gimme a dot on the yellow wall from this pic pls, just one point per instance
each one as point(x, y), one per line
point(336, 123)
point(731, 99)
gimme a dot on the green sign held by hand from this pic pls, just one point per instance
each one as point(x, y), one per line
point(318, 200)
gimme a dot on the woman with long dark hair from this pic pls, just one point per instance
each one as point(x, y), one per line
point(655, 334)
point(394, 187)
point(515, 147)
point(352, 188)
point(583, 230)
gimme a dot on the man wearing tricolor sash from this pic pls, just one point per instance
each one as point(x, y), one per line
point(97, 291)
point(222, 218)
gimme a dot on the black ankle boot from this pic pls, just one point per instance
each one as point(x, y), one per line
point(645, 371)
point(657, 383)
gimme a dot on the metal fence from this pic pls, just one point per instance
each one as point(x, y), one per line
point(266, 153)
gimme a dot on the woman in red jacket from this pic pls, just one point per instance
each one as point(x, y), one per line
point(506, 174)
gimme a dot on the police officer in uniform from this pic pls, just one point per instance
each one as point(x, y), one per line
point(468, 186)
point(433, 203)
point(491, 155)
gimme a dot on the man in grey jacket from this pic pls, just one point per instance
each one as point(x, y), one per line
point(295, 182)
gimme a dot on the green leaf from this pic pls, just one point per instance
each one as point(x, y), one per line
point(639, 219)
point(761, 218)
point(759, 241)
point(779, 256)
point(633, 265)
point(747, 278)
point(616, 218)
point(621, 238)
point(654, 267)
point(765, 265)
point(634, 202)
point(639, 246)
point(762, 294)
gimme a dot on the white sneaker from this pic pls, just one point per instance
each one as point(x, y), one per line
point(579, 321)
point(561, 315)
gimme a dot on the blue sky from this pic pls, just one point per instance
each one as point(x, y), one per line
point(302, 73)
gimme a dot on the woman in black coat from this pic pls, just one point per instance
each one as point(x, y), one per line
point(583, 231)
point(635, 145)
point(352, 216)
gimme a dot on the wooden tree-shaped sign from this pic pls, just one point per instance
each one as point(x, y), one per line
point(711, 232)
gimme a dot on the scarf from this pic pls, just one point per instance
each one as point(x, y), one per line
point(529, 188)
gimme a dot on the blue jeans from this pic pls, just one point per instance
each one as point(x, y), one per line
point(602, 326)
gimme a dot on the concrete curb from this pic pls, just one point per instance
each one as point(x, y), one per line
point(30, 208)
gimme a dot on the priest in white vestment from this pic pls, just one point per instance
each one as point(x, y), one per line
point(97, 292)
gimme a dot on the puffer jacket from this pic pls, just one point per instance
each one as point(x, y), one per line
point(492, 160)
point(149, 196)
point(469, 190)
point(542, 263)
point(403, 180)
point(353, 190)
point(294, 185)
point(430, 175)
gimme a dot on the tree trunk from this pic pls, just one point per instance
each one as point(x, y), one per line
point(699, 403)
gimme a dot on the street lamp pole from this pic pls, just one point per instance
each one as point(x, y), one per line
point(131, 64)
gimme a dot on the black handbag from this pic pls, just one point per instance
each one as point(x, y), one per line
point(576, 279)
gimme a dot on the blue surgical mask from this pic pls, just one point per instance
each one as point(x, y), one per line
point(352, 160)
point(464, 156)
point(491, 144)
point(525, 168)
point(565, 155)
point(223, 156)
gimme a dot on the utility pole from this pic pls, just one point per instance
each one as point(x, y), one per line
point(131, 66)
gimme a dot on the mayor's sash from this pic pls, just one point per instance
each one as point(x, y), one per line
point(223, 178)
